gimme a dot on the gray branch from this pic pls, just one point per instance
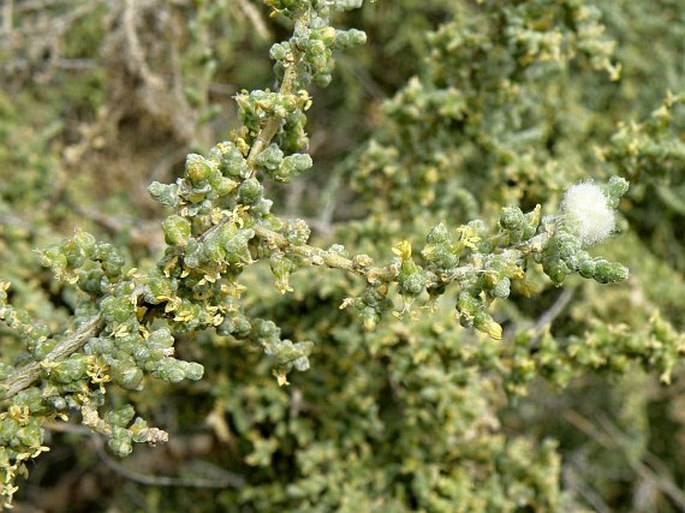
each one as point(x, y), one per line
point(29, 374)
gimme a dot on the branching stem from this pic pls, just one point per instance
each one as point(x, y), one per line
point(288, 86)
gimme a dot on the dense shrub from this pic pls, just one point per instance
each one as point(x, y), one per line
point(440, 273)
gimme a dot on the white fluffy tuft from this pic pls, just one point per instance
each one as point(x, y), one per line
point(587, 213)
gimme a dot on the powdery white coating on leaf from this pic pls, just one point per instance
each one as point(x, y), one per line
point(587, 213)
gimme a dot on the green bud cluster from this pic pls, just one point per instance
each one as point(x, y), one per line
point(370, 306)
point(280, 168)
point(483, 263)
point(472, 314)
point(411, 280)
point(115, 425)
point(220, 206)
point(440, 252)
point(282, 267)
point(33, 334)
point(21, 439)
point(92, 266)
point(519, 226)
point(609, 348)
point(285, 353)
point(651, 150)
point(565, 254)
point(256, 107)
point(312, 43)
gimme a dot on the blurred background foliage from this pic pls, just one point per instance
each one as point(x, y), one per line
point(452, 110)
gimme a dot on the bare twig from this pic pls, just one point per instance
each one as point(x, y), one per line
point(37, 5)
point(372, 87)
point(59, 25)
point(7, 16)
point(162, 99)
point(136, 54)
point(61, 63)
point(663, 482)
point(255, 18)
point(549, 315)
point(574, 481)
point(612, 438)
point(228, 479)
point(29, 374)
point(225, 478)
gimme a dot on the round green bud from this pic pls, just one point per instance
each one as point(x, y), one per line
point(250, 191)
point(85, 241)
point(120, 417)
point(161, 337)
point(30, 435)
point(72, 369)
point(52, 257)
point(193, 371)
point(349, 38)
point(502, 289)
point(616, 187)
point(8, 430)
point(170, 370)
point(120, 443)
point(346, 5)
point(6, 370)
point(608, 272)
point(33, 398)
point(316, 52)
point(43, 347)
point(197, 168)
point(557, 275)
point(177, 230)
point(370, 318)
point(291, 166)
point(296, 231)
point(112, 261)
point(438, 235)
point(166, 194)
point(326, 35)
point(232, 162)
point(242, 326)
point(412, 284)
point(73, 252)
point(270, 158)
point(323, 79)
point(223, 186)
point(279, 51)
point(57, 403)
point(512, 219)
point(127, 375)
point(116, 310)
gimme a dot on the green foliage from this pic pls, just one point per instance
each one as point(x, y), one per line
point(408, 332)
